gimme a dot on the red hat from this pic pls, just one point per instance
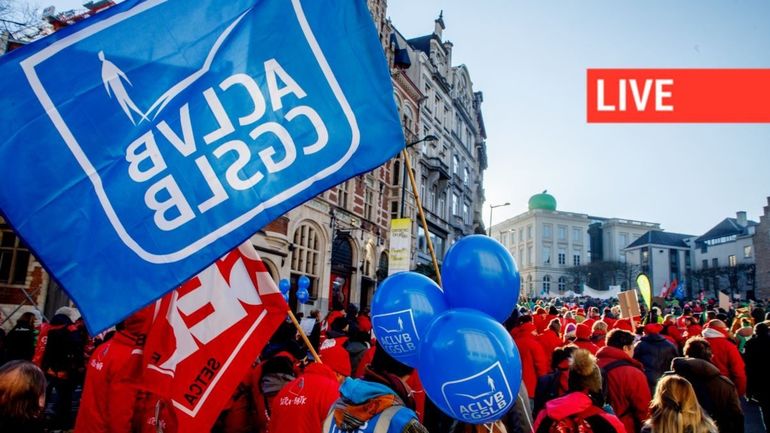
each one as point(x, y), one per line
point(335, 356)
point(583, 332)
point(623, 324)
point(581, 312)
point(652, 328)
point(540, 310)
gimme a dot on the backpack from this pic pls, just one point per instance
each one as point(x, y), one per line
point(605, 374)
point(577, 423)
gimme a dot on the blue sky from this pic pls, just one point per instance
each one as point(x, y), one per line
point(529, 58)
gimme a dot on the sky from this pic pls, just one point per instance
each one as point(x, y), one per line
point(530, 60)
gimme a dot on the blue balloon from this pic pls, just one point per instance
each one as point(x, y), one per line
point(285, 296)
point(303, 283)
point(478, 272)
point(402, 308)
point(303, 295)
point(469, 366)
point(284, 285)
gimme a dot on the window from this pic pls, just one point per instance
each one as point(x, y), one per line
point(547, 284)
point(14, 258)
point(396, 173)
point(504, 238)
point(530, 285)
point(442, 205)
point(529, 232)
point(513, 236)
point(521, 257)
point(521, 234)
point(546, 255)
point(576, 235)
point(705, 264)
point(423, 185)
point(562, 284)
point(562, 256)
point(433, 198)
point(305, 259)
point(576, 259)
point(456, 168)
point(342, 194)
point(731, 261)
point(455, 204)
point(562, 233)
point(393, 210)
point(529, 256)
point(466, 176)
point(747, 251)
point(547, 228)
point(422, 244)
point(466, 213)
point(715, 262)
point(369, 205)
point(623, 240)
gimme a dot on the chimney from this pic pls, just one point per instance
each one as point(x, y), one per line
point(741, 217)
point(448, 48)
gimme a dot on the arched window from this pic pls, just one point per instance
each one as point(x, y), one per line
point(306, 256)
point(562, 284)
point(547, 284)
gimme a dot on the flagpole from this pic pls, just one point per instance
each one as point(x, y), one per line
point(408, 164)
point(310, 347)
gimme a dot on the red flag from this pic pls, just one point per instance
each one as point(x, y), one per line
point(208, 332)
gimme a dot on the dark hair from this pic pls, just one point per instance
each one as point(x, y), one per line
point(27, 319)
point(698, 347)
point(562, 353)
point(761, 329)
point(619, 337)
point(553, 311)
point(384, 363)
point(22, 384)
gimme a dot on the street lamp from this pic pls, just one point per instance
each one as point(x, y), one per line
point(428, 137)
point(491, 208)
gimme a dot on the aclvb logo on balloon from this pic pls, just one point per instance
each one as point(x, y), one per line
point(678, 95)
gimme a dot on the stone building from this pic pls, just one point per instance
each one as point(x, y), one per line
point(762, 254)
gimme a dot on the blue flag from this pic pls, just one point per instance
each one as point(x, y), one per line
point(143, 143)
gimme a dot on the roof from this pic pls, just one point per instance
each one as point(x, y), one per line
point(659, 237)
point(728, 227)
point(422, 43)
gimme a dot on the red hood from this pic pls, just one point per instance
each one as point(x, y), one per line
point(608, 354)
point(320, 370)
point(525, 329)
point(570, 404)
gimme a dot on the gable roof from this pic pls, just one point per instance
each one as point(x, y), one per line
point(659, 237)
point(727, 227)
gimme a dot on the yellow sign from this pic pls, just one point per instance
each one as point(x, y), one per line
point(400, 245)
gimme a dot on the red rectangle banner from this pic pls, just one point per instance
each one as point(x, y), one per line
point(678, 95)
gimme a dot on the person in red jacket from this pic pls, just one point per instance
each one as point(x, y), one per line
point(627, 390)
point(303, 404)
point(111, 391)
point(540, 319)
point(599, 333)
point(550, 339)
point(583, 339)
point(725, 354)
point(534, 362)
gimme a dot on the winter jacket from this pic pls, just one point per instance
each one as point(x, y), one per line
point(757, 354)
point(550, 341)
point(655, 352)
point(110, 390)
point(20, 343)
point(362, 403)
point(716, 394)
point(627, 390)
point(534, 362)
point(549, 387)
point(577, 403)
point(727, 358)
point(303, 404)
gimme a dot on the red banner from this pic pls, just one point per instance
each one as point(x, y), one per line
point(678, 95)
point(208, 332)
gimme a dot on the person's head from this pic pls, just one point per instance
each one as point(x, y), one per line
point(698, 347)
point(584, 373)
point(711, 315)
point(761, 329)
point(562, 356)
point(621, 339)
point(582, 332)
point(340, 324)
point(553, 311)
point(599, 327)
point(22, 390)
point(26, 320)
point(383, 363)
point(675, 409)
point(555, 325)
point(687, 311)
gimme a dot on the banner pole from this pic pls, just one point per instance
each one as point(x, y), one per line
point(408, 164)
point(316, 358)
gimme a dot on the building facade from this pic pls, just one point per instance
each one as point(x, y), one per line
point(724, 258)
point(762, 253)
point(449, 171)
point(664, 257)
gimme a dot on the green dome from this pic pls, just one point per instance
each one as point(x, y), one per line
point(542, 201)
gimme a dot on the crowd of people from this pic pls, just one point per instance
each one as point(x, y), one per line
point(584, 369)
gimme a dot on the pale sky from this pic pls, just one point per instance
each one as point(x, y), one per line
point(530, 57)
